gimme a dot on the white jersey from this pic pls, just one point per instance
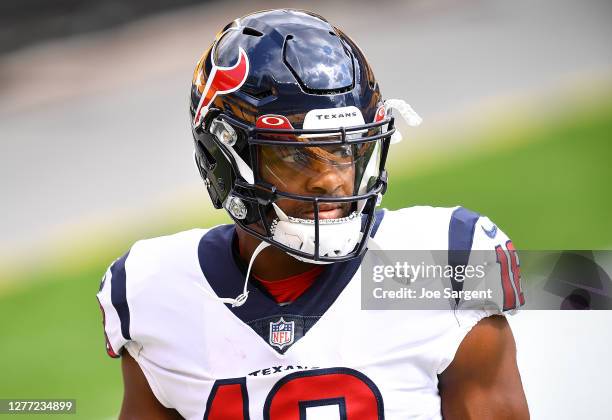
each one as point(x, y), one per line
point(319, 357)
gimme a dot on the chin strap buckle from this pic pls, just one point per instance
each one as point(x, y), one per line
point(240, 299)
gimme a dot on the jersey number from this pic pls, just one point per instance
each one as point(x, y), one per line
point(511, 285)
point(334, 393)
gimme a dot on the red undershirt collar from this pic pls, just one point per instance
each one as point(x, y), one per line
point(290, 288)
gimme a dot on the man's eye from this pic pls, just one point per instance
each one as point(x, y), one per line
point(294, 157)
point(343, 152)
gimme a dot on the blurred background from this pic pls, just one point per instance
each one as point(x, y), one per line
point(96, 152)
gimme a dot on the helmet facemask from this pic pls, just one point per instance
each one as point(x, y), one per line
point(311, 193)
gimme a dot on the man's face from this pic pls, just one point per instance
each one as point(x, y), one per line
point(311, 171)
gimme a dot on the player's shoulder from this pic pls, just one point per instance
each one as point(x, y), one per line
point(428, 227)
point(466, 238)
point(167, 247)
point(420, 214)
point(153, 270)
point(425, 217)
point(157, 257)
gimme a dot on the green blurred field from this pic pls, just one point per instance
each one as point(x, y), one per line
point(547, 187)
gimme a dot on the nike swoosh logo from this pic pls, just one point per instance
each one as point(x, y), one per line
point(490, 233)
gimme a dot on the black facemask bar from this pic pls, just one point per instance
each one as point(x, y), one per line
point(258, 197)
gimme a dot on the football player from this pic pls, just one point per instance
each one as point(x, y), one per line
point(262, 319)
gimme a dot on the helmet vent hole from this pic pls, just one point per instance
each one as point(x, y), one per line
point(258, 94)
point(251, 32)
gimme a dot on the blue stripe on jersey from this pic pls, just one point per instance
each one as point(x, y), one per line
point(118, 295)
point(460, 239)
point(461, 230)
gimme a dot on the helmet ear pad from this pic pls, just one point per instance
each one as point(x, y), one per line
point(212, 164)
point(217, 167)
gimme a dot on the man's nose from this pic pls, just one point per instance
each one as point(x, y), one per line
point(328, 180)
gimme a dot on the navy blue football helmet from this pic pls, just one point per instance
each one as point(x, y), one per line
point(291, 133)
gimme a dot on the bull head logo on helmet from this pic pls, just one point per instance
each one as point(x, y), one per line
point(222, 80)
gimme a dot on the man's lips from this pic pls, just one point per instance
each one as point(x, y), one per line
point(327, 211)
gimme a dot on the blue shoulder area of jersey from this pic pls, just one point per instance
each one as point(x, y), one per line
point(118, 294)
point(460, 239)
point(227, 280)
point(461, 229)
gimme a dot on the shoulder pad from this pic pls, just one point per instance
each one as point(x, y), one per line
point(476, 241)
point(134, 280)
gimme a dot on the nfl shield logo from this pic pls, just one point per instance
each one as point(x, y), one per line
point(281, 333)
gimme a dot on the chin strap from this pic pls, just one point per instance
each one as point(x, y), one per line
point(242, 297)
